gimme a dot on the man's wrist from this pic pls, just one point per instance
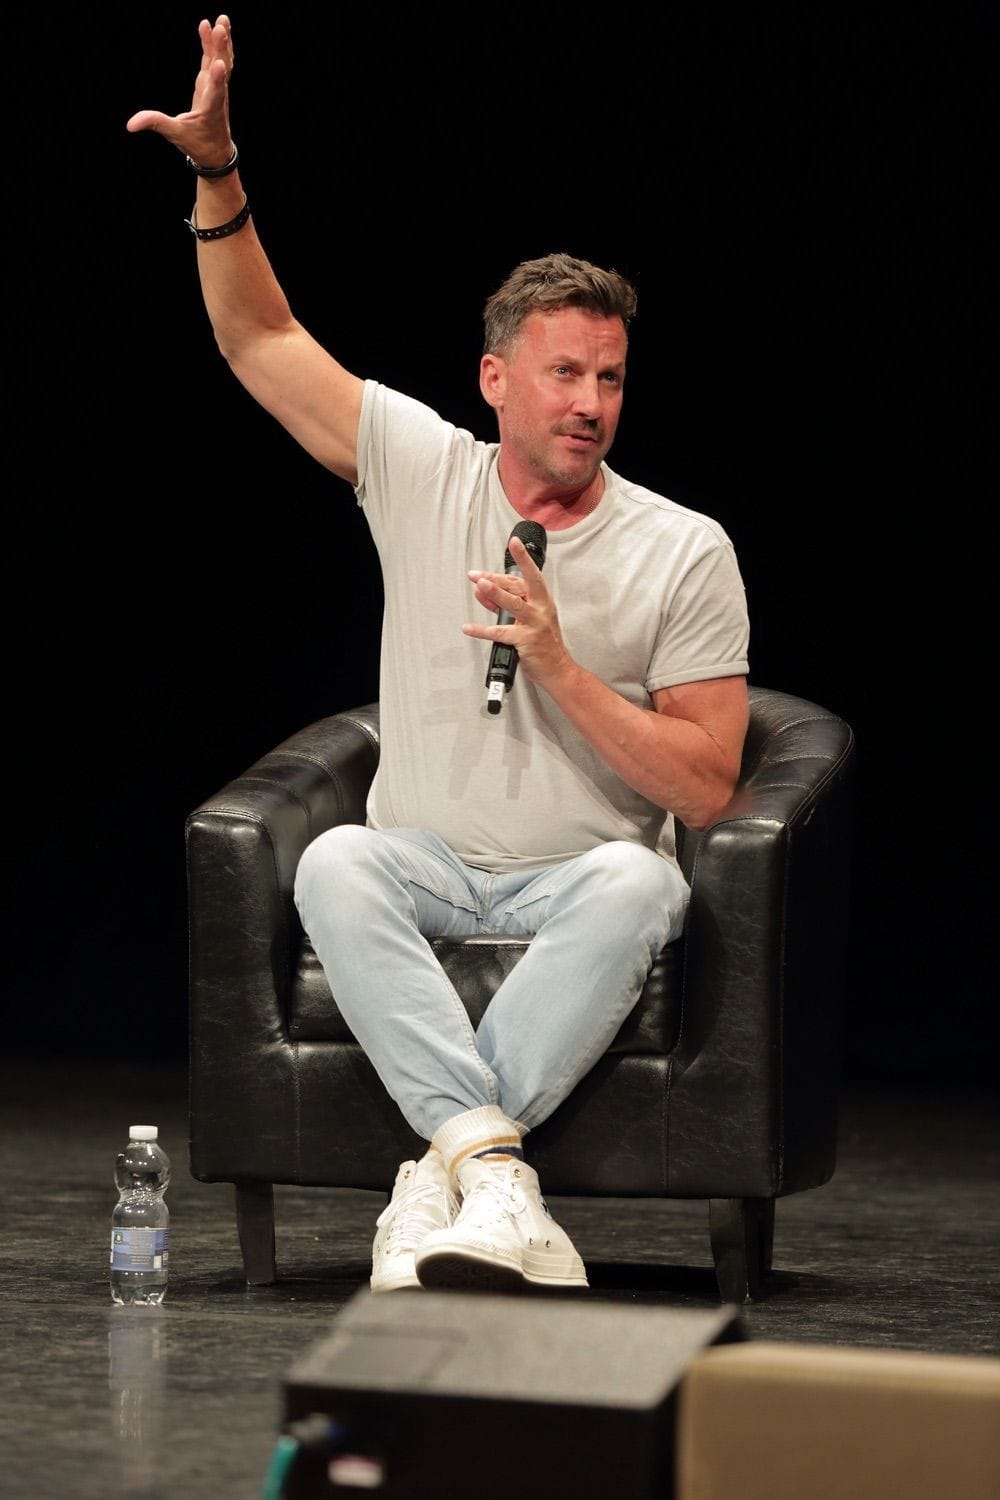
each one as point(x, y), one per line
point(210, 171)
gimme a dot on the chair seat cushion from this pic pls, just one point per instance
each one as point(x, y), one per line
point(477, 967)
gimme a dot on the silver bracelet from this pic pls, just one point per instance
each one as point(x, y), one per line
point(223, 171)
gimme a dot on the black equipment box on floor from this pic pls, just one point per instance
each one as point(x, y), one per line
point(420, 1395)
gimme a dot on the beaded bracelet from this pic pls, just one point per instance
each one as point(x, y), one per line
point(223, 171)
point(221, 230)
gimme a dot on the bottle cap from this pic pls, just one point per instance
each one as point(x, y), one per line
point(143, 1132)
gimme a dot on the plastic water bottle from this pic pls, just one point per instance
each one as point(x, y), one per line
point(140, 1230)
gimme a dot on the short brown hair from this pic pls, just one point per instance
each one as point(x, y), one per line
point(547, 284)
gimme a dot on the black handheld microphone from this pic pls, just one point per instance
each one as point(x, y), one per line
point(503, 659)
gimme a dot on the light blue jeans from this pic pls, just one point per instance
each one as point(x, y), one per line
point(370, 901)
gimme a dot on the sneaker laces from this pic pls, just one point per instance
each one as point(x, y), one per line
point(409, 1216)
point(490, 1202)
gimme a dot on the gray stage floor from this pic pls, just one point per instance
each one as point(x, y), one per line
point(899, 1250)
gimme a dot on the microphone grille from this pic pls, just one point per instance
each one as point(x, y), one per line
point(534, 538)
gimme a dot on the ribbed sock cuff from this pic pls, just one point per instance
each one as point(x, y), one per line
point(474, 1132)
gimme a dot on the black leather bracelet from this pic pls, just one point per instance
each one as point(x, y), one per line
point(223, 171)
point(221, 230)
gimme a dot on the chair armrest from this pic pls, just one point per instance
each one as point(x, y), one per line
point(757, 1066)
point(243, 846)
point(244, 843)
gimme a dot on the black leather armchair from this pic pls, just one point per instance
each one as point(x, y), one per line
point(722, 1084)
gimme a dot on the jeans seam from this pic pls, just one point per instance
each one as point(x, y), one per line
point(413, 884)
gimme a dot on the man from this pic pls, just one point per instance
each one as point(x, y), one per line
point(551, 819)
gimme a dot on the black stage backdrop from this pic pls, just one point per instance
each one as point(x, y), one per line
point(803, 201)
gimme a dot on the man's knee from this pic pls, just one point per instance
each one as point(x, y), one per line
point(632, 867)
point(333, 858)
point(640, 884)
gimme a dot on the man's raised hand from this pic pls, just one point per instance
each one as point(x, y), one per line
point(202, 132)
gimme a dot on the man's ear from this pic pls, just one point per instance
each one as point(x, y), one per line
point(493, 380)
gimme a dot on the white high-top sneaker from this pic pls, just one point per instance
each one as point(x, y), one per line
point(422, 1201)
point(503, 1236)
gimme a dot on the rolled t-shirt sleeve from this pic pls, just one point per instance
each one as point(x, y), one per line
point(706, 629)
point(405, 450)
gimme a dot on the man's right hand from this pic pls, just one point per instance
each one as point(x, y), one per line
point(203, 132)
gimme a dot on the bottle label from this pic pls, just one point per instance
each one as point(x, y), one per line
point(139, 1249)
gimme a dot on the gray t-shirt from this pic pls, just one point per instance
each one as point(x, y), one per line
point(649, 595)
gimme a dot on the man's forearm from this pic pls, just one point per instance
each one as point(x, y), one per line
point(242, 295)
point(677, 764)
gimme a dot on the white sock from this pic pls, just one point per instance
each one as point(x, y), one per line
point(485, 1131)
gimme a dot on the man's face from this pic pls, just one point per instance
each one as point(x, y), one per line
point(558, 396)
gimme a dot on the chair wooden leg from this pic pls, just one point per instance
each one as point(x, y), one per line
point(255, 1226)
point(742, 1231)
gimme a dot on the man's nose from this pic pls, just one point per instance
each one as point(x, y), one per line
point(587, 399)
